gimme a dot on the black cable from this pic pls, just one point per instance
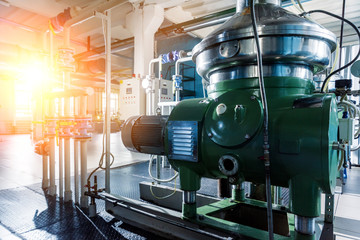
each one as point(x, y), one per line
point(266, 123)
point(349, 63)
point(101, 161)
point(342, 31)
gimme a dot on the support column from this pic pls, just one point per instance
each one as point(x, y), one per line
point(190, 183)
point(143, 23)
point(108, 93)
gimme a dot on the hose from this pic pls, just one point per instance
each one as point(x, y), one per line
point(156, 179)
point(163, 197)
point(349, 63)
point(266, 146)
point(341, 160)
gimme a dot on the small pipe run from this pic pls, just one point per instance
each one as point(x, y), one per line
point(151, 65)
point(150, 89)
point(178, 62)
point(177, 74)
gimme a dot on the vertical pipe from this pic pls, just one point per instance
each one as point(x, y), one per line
point(84, 202)
point(241, 4)
point(108, 91)
point(76, 157)
point(177, 73)
point(158, 166)
point(52, 189)
point(68, 193)
point(76, 170)
point(341, 32)
point(45, 180)
point(83, 157)
point(61, 152)
point(61, 167)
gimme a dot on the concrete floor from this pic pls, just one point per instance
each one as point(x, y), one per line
point(20, 166)
point(347, 208)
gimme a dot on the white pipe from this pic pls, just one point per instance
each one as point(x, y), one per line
point(83, 157)
point(76, 170)
point(151, 89)
point(76, 156)
point(61, 155)
point(61, 167)
point(151, 63)
point(45, 180)
point(108, 92)
point(52, 189)
point(84, 202)
point(181, 60)
point(88, 12)
point(177, 72)
point(67, 80)
point(45, 158)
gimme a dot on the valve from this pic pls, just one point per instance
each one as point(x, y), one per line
point(42, 147)
point(66, 59)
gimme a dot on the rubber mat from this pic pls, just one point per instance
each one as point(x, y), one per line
point(28, 214)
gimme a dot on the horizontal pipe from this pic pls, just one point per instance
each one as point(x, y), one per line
point(115, 47)
point(180, 26)
point(151, 63)
point(207, 24)
point(181, 60)
point(88, 12)
point(195, 24)
point(35, 30)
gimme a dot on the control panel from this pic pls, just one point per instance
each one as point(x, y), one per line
point(131, 98)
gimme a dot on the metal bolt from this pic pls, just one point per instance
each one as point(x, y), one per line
point(247, 136)
point(210, 135)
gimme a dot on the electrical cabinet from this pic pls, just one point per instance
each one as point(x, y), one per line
point(131, 98)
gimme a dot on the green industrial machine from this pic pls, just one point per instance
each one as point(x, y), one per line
point(222, 136)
